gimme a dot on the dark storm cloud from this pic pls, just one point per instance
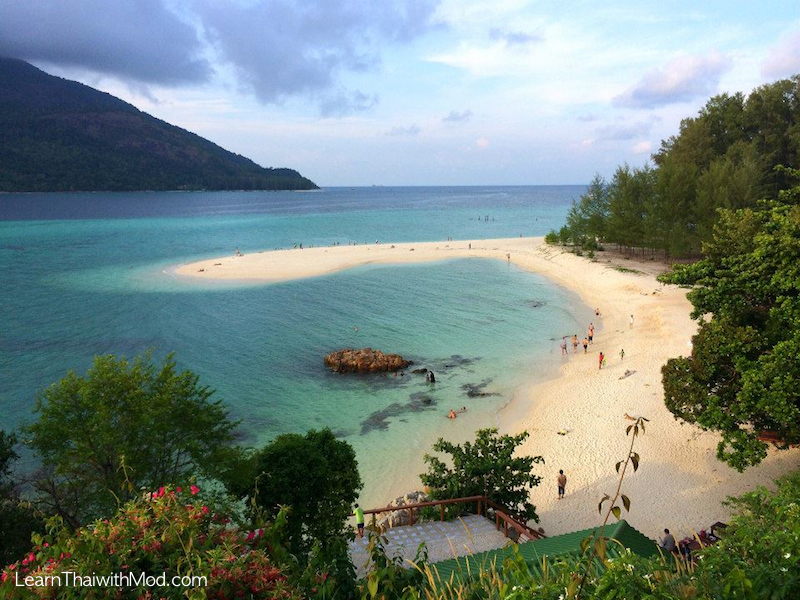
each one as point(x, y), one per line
point(139, 40)
point(282, 48)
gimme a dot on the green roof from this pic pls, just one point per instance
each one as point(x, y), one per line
point(534, 552)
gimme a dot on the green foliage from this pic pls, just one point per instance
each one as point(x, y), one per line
point(316, 476)
point(59, 135)
point(391, 577)
point(171, 531)
point(124, 426)
point(552, 238)
point(726, 157)
point(489, 466)
point(17, 520)
point(744, 371)
point(759, 554)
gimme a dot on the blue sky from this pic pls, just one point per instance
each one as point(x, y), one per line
point(416, 92)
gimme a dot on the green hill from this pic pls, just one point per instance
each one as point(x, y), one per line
point(61, 135)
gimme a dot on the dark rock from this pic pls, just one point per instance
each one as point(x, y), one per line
point(419, 371)
point(365, 360)
point(535, 303)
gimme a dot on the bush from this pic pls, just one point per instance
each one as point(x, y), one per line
point(170, 531)
point(552, 238)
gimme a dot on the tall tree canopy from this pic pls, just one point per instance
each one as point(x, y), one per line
point(123, 426)
point(743, 375)
point(723, 158)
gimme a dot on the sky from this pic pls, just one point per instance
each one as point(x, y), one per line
point(416, 92)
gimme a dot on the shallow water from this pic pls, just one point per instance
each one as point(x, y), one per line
point(99, 283)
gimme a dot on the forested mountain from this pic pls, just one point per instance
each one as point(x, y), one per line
point(60, 135)
point(729, 156)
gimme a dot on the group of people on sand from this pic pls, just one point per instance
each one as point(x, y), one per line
point(588, 340)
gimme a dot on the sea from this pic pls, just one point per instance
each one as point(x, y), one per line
point(86, 274)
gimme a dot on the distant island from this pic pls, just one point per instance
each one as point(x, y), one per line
point(58, 135)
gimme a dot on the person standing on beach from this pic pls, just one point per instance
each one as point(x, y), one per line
point(575, 344)
point(360, 521)
point(622, 354)
point(630, 322)
point(563, 345)
point(562, 483)
point(591, 332)
point(601, 359)
point(585, 345)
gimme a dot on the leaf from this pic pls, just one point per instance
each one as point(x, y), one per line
point(600, 547)
point(626, 502)
point(616, 511)
point(372, 586)
point(628, 429)
point(585, 544)
point(600, 506)
point(635, 461)
point(619, 464)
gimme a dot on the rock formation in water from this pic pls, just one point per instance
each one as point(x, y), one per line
point(364, 360)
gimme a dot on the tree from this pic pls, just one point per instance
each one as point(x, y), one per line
point(489, 467)
point(744, 372)
point(17, 520)
point(315, 475)
point(122, 426)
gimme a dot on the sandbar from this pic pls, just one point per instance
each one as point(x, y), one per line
point(577, 420)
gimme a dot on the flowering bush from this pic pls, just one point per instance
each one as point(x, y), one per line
point(169, 532)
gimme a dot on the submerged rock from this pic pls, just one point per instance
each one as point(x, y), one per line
point(365, 360)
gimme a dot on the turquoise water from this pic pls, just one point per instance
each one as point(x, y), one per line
point(87, 274)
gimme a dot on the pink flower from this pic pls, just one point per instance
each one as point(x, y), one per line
point(251, 536)
point(160, 492)
point(3, 577)
point(205, 510)
point(194, 489)
point(178, 489)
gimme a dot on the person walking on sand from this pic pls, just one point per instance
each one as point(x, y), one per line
point(562, 483)
point(585, 345)
point(563, 345)
point(360, 520)
point(630, 322)
point(591, 332)
point(622, 354)
point(575, 344)
point(601, 360)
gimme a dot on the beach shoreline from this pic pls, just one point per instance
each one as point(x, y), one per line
point(576, 420)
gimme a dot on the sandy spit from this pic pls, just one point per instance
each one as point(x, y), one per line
point(679, 484)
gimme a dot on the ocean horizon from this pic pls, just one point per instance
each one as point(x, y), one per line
point(91, 273)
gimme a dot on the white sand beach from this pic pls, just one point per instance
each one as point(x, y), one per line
point(679, 485)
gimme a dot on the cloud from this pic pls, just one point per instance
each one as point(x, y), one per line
point(411, 130)
point(280, 48)
point(515, 38)
point(587, 118)
point(457, 117)
point(482, 143)
point(275, 48)
point(140, 40)
point(784, 58)
point(625, 130)
point(642, 148)
point(343, 103)
point(680, 80)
